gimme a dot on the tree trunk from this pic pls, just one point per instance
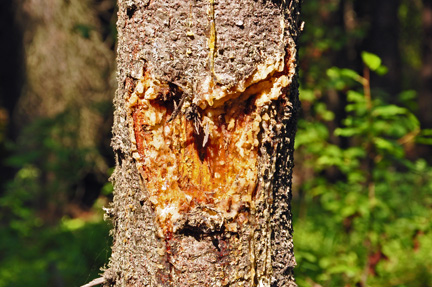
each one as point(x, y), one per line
point(204, 131)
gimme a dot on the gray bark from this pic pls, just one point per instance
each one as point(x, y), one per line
point(204, 131)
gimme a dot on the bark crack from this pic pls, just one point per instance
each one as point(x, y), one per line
point(212, 37)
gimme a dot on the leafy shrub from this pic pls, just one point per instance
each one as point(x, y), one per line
point(369, 223)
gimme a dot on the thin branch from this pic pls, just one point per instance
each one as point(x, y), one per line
point(94, 282)
point(366, 87)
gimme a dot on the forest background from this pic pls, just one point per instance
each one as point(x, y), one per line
point(362, 196)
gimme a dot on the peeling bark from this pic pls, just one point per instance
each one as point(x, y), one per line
point(204, 136)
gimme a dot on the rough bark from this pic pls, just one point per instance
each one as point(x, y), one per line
point(204, 136)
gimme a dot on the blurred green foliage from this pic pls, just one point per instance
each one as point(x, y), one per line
point(362, 203)
point(378, 209)
point(43, 242)
point(70, 253)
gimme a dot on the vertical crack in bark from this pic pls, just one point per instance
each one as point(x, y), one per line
point(212, 37)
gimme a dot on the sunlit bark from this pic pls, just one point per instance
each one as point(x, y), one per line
point(204, 135)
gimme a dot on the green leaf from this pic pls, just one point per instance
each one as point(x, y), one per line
point(387, 145)
point(425, 137)
point(352, 75)
point(382, 70)
point(388, 111)
point(308, 256)
point(325, 114)
point(408, 95)
point(346, 132)
point(107, 189)
point(83, 29)
point(307, 95)
point(356, 97)
point(355, 152)
point(72, 224)
point(372, 61)
point(333, 73)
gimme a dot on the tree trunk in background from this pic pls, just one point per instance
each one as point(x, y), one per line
point(204, 130)
point(11, 80)
point(425, 92)
point(383, 40)
point(425, 95)
point(55, 65)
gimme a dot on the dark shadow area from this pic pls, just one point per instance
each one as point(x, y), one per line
point(11, 79)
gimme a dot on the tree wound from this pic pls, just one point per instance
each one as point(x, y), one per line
point(200, 81)
point(198, 153)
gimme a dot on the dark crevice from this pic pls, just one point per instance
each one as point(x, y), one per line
point(131, 11)
point(12, 72)
point(199, 233)
point(192, 232)
point(215, 242)
point(120, 157)
point(199, 145)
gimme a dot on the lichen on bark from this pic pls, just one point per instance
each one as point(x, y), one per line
point(203, 134)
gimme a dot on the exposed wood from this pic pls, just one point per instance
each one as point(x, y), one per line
point(204, 136)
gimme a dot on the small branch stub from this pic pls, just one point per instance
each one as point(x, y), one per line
point(97, 281)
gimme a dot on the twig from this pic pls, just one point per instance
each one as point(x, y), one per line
point(177, 108)
point(94, 282)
